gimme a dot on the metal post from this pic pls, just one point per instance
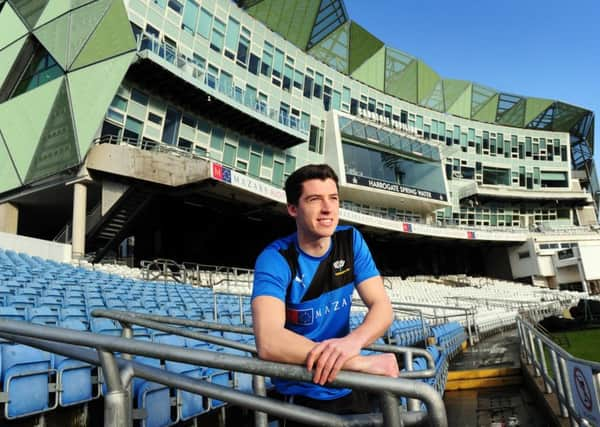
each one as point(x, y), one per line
point(411, 404)
point(534, 354)
point(390, 410)
point(545, 373)
point(116, 400)
point(258, 384)
point(567, 387)
point(469, 329)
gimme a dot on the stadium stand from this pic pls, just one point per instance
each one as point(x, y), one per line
point(51, 293)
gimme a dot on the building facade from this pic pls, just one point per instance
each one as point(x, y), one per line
point(254, 89)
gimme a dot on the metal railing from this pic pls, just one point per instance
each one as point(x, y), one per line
point(574, 382)
point(466, 313)
point(212, 83)
point(118, 373)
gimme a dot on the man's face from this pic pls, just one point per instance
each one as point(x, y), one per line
point(317, 212)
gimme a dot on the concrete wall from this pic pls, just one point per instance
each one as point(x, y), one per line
point(523, 267)
point(590, 259)
point(36, 247)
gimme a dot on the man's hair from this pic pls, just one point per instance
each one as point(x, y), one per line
point(293, 184)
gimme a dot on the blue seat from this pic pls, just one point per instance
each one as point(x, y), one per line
point(28, 379)
point(77, 380)
point(43, 315)
point(12, 313)
point(153, 398)
point(104, 326)
point(189, 404)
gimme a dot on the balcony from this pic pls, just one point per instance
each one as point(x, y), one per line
point(168, 73)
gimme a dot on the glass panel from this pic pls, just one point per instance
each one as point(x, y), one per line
point(190, 15)
point(229, 155)
point(217, 138)
point(171, 128)
point(233, 32)
point(254, 165)
point(204, 23)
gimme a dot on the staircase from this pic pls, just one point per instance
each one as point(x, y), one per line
point(112, 227)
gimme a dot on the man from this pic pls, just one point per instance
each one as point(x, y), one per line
point(302, 294)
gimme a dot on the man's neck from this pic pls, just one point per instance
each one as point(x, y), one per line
point(314, 247)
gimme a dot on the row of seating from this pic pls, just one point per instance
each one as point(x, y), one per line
point(50, 293)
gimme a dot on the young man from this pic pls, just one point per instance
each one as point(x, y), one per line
point(302, 294)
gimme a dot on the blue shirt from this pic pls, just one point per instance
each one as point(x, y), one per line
point(324, 311)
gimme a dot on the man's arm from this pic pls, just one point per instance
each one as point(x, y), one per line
point(273, 341)
point(277, 344)
point(330, 356)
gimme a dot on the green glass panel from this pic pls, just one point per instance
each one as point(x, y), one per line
point(8, 56)
point(487, 113)
point(53, 10)
point(22, 120)
point(293, 19)
point(480, 97)
point(566, 116)
point(9, 178)
point(83, 23)
point(267, 160)
point(427, 80)
point(363, 45)
point(57, 149)
point(232, 35)
point(53, 36)
point(333, 49)
point(461, 106)
point(435, 101)
point(204, 23)
point(404, 84)
point(372, 71)
point(454, 89)
point(112, 37)
point(41, 69)
point(12, 27)
point(534, 107)
point(514, 116)
point(89, 103)
point(29, 10)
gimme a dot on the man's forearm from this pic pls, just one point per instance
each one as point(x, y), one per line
point(376, 322)
point(284, 346)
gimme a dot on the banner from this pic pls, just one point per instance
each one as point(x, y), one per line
point(229, 176)
point(583, 391)
point(396, 188)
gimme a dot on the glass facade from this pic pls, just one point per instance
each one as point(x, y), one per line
point(238, 56)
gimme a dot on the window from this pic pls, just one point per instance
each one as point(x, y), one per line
point(185, 144)
point(133, 129)
point(267, 64)
point(155, 118)
point(139, 97)
point(229, 154)
point(308, 86)
point(204, 23)
point(242, 51)
point(217, 138)
point(254, 64)
point(190, 16)
point(171, 128)
point(176, 6)
point(216, 40)
point(233, 32)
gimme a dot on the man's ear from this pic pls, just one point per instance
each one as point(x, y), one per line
point(292, 210)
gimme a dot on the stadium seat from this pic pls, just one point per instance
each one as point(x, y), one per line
point(27, 379)
point(152, 401)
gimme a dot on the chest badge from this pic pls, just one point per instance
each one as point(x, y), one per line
point(338, 267)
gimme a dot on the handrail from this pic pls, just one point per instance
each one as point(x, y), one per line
point(467, 312)
point(159, 323)
point(122, 372)
point(163, 268)
point(564, 371)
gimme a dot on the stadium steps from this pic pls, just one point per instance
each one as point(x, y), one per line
point(111, 228)
point(483, 378)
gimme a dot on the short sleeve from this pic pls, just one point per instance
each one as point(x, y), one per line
point(364, 266)
point(271, 275)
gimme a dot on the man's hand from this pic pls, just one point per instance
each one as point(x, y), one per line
point(377, 364)
point(328, 357)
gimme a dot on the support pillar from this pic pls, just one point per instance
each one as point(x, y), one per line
point(79, 216)
point(9, 218)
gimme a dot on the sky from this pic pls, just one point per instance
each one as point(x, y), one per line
point(548, 49)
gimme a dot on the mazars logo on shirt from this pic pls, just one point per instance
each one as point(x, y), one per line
point(332, 306)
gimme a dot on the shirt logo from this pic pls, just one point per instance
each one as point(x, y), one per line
point(338, 267)
point(304, 317)
point(299, 279)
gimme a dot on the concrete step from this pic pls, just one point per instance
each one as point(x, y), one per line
point(483, 378)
